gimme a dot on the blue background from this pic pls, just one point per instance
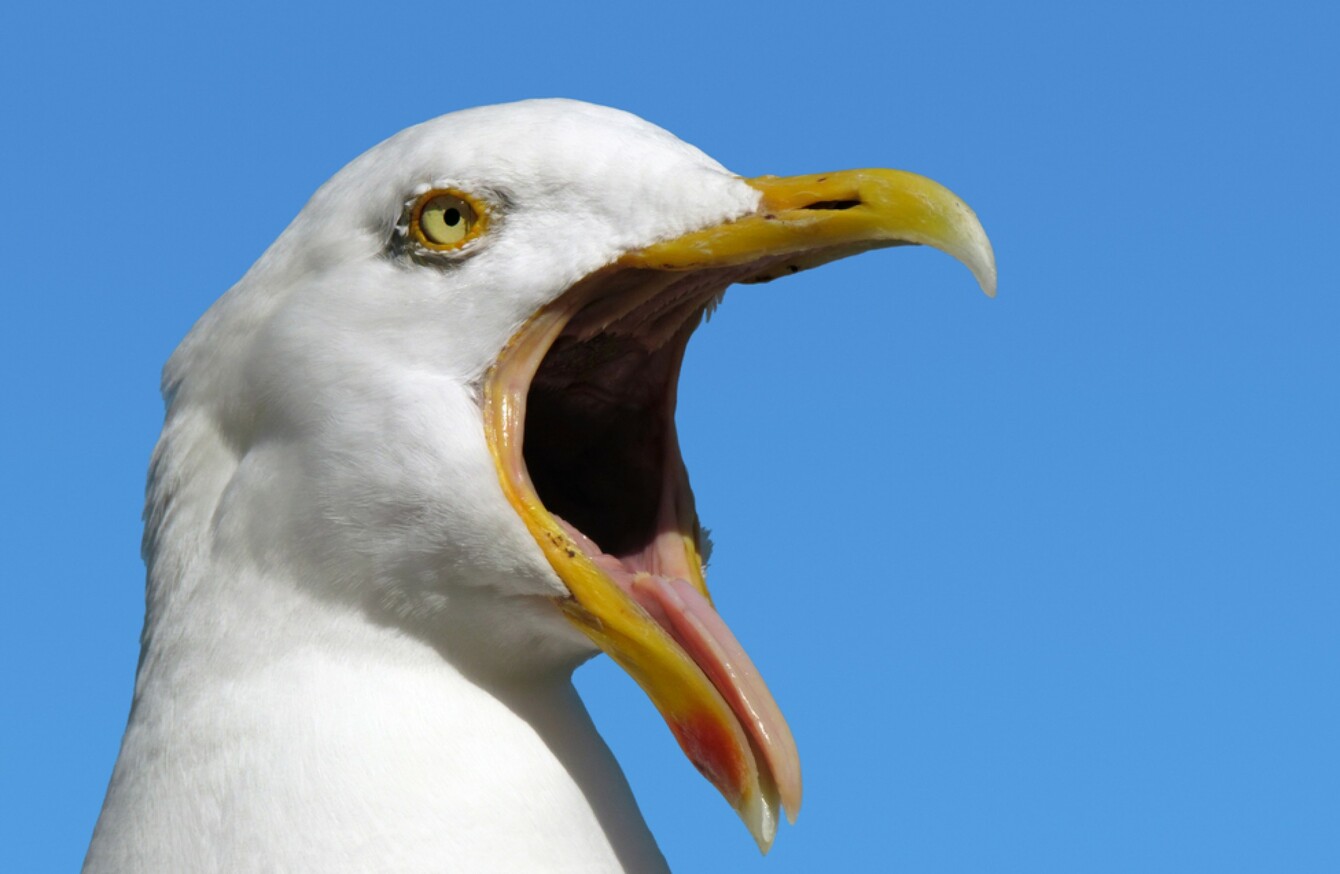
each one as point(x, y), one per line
point(1044, 583)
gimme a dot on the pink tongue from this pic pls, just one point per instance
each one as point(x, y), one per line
point(685, 613)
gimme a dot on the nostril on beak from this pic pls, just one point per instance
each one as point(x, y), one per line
point(833, 204)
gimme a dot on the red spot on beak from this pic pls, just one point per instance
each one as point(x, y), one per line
point(711, 747)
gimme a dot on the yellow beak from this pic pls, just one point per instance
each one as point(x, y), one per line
point(660, 627)
point(823, 217)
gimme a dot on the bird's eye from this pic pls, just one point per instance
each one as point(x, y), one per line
point(445, 220)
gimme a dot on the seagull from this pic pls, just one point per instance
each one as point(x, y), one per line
point(420, 463)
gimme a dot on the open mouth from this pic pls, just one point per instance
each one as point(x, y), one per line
point(579, 413)
point(603, 397)
point(593, 378)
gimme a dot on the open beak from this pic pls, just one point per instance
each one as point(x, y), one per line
point(598, 368)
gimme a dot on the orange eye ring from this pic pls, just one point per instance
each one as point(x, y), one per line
point(445, 220)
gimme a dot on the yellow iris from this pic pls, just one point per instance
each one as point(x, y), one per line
point(445, 220)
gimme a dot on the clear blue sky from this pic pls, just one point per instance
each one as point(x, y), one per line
point(1044, 583)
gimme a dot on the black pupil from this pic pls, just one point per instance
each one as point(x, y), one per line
point(452, 217)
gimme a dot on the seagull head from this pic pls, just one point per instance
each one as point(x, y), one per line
point(450, 388)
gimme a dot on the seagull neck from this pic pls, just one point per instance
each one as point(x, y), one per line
point(277, 729)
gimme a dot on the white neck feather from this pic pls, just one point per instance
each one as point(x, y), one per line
point(274, 729)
